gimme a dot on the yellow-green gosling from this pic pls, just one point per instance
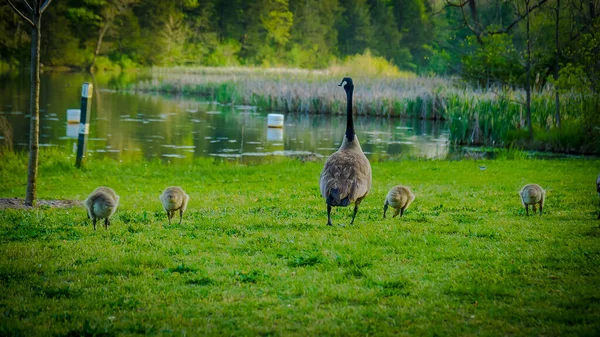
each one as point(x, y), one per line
point(399, 198)
point(174, 199)
point(101, 204)
point(532, 194)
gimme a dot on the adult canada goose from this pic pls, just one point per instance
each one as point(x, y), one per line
point(346, 177)
point(174, 199)
point(101, 203)
point(399, 197)
point(533, 194)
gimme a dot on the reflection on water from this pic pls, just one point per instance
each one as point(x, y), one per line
point(142, 126)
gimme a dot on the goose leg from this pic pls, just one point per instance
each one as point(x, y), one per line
point(354, 215)
point(385, 207)
point(396, 212)
point(329, 215)
point(527, 209)
point(401, 212)
point(534, 208)
point(106, 223)
point(169, 215)
point(94, 222)
point(180, 215)
point(541, 207)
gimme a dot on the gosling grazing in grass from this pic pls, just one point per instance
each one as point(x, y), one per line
point(101, 204)
point(532, 194)
point(174, 199)
point(107, 190)
point(346, 177)
point(399, 197)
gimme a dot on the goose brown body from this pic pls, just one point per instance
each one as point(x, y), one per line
point(399, 198)
point(533, 194)
point(346, 177)
point(174, 199)
point(101, 204)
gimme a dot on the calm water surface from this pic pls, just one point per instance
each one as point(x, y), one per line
point(126, 125)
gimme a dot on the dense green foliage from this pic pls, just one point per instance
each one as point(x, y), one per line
point(484, 41)
point(253, 255)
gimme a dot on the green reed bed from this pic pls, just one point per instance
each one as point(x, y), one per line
point(477, 117)
point(253, 255)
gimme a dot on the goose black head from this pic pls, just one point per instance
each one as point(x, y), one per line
point(349, 85)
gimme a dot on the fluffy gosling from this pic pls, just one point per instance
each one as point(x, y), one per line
point(533, 194)
point(174, 199)
point(399, 197)
point(101, 204)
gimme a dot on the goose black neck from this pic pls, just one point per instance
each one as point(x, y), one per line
point(349, 121)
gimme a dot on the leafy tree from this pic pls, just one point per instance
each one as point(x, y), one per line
point(415, 26)
point(14, 40)
point(313, 35)
point(100, 14)
point(494, 62)
point(355, 32)
point(267, 25)
point(387, 42)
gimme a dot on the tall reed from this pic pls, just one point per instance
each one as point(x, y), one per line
point(476, 117)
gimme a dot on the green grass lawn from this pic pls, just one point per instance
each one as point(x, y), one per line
point(254, 256)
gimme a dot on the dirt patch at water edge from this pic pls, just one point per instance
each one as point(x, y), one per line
point(19, 203)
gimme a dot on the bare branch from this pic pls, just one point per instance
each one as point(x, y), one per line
point(451, 4)
point(45, 5)
point(20, 14)
point(521, 17)
point(28, 6)
point(461, 4)
point(474, 30)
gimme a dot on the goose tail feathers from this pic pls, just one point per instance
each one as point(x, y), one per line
point(334, 198)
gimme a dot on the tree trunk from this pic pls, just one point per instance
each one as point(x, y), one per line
point(557, 65)
point(99, 43)
point(34, 108)
point(528, 77)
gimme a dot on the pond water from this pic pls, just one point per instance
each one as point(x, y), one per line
point(127, 125)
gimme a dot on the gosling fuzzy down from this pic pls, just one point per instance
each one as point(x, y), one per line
point(106, 190)
point(533, 194)
point(101, 204)
point(174, 199)
point(346, 177)
point(399, 198)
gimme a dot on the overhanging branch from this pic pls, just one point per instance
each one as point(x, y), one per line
point(461, 4)
point(521, 17)
point(44, 6)
point(28, 6)
point(19, 13)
